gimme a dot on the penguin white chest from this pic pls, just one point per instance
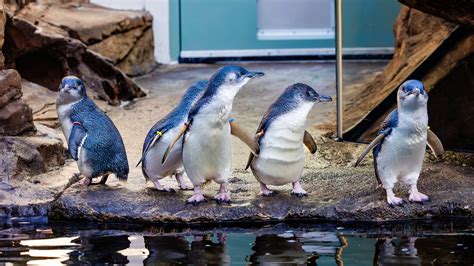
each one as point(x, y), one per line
point(281, 158)
point(64, 112)
point(403, 150)
point(207, 148)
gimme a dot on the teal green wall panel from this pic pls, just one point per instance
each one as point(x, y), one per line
point(229, 24)
point(232, 24)
point(174, 25)
point(368, 23)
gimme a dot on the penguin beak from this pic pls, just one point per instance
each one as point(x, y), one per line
point(324, 98)
point(64, 88)
point(254, 74)
point(415, 92)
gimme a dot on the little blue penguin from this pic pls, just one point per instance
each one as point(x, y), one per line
point(401, 143)
point(280, 137)
point(160, 136)
point(207, 133)
point(93, 140)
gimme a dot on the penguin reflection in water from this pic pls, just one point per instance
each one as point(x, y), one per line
point(206, 145)
point(401, 144)
point(160, 136)
point(93, 140)
point(280, 136)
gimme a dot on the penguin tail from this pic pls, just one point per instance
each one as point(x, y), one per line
point(144, 173)
point(122, 174)
point(122, 177)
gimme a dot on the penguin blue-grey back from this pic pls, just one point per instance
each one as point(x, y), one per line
point(400, 145)
point(160, 136)
point(281, 135)
point(93, 140)
point(179, 113)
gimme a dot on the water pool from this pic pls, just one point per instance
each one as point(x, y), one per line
point(37, 241)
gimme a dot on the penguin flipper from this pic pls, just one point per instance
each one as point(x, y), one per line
point(369, 147)
point(78, 133)
point(434, 143)
point(180, 133)
point(249, 161)
point(237, 131)
point(155, 139)
point(309, 142)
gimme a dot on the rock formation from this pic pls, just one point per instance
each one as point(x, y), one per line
point(122, 36)
point(15, 116)
point(25, 150)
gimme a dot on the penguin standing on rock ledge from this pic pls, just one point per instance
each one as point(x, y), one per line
point(280, 136)
point(160, 136)
point(401, 144)
point(93, 140)
point(207, 142)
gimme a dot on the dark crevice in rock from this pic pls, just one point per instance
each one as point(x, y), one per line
point(48, 75)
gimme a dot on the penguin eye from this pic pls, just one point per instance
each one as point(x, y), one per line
point(234, 76)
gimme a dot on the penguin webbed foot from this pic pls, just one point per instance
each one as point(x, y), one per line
point(421, 202)
point(266, 192)
point(420, 198)
point(222, 197)
point(158, 187)
point(299, 194)
point(87, 181)
point(102, 181)
point(269, 193)
point(298, 191)
point(395, 201)
point(185, 187)
point(196, 199)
